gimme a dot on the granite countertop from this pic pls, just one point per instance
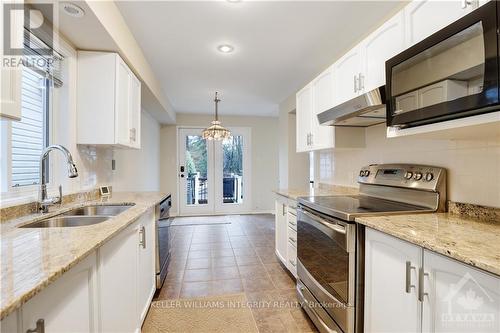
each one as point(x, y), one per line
point(33, 258)
point(465, 239)
point(321, 191)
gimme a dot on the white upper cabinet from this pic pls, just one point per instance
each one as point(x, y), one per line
point(381, 45)
point(425, 17)
point(108, 101)
point(347, 76)
point(322, 88)
point(10, 77)
point(304, 107)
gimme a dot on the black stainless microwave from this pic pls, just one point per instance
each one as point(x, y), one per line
point(452, 74)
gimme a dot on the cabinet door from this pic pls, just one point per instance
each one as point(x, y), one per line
point(10, 76)
point(381, 45)
point(280, 229)
point(135, 111)
point(389, 305)
point(322, 87)
point(118, 282)
point(304, 104)
point(425, 17)
point(443, 91)
point(67, 305)
point(347, 70)
point(122, 104)
point(146, 269)
point(459, 297)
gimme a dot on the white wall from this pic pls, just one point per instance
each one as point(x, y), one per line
point(473, 166)
point(139, 170)
point(264, 155)
point(293, 166)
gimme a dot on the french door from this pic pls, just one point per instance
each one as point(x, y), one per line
point(214, 176)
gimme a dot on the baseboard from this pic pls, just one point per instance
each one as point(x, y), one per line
point(255, 212)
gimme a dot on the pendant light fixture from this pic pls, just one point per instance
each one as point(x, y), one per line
point(216, 131)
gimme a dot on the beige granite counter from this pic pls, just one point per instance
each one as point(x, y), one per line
point(33, 258)
point(468, 240)
point(322, 190)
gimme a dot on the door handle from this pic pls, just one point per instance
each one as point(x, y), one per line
point(355, 83)
point(409, 267)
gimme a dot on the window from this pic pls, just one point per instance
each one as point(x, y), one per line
point(30, 135)
point(22, 142)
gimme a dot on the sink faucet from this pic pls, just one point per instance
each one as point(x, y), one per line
point(43, 201)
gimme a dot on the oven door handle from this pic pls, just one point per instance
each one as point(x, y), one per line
point(335, 227)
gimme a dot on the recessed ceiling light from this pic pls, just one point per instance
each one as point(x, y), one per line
point(72, 9)
point(225, 48)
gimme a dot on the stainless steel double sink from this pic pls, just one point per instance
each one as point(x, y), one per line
point(81, 216)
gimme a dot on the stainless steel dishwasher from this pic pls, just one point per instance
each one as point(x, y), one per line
point(163, 221)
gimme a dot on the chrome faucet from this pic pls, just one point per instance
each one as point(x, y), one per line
point(43, 201)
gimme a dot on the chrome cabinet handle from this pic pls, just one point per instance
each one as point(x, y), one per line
point(283, 210)
point(421, 285)
point(466, 3)
point(142, 233)
point(361, 81)
point(409, 267)
point(355, 83)
point(132, 134)
point(40, 327)
point(293, 240)
point(312, 138)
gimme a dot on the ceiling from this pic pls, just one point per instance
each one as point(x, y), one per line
point(279, 47)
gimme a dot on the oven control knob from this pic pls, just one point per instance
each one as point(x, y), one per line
point(429, 176)
point(367, 173)
point(408, 174)
point(417, 176)
point(361, 173)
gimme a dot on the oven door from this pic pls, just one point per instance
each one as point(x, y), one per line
point(326, 264)
point(451, 74)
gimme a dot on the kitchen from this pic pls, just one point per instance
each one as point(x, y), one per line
point(301, 184)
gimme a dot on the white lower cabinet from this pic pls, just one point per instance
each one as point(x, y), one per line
point(409, 289)
point(280, 228)
point(67, 305)
point(118, 281)
point(146, 275)
point(109, 291)
point(126, 276)
point(458, 298)
point(389, 306)
point(286, 232)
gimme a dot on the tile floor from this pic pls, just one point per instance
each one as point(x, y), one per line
point(237, 258)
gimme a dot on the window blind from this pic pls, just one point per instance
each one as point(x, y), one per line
point(47, 65)
point(29, 136)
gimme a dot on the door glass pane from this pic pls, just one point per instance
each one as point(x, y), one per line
point(196, 170)
point(232, 174)
point(449, 70)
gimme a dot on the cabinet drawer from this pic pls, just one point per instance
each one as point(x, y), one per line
point(292, 222)
point(292, 259)
point(292, 236)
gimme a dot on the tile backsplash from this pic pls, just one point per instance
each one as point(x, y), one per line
point(473, 165)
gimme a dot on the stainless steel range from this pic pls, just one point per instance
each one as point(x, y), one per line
point(330, 245)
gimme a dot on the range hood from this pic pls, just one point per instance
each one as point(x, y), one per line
point(364, 110)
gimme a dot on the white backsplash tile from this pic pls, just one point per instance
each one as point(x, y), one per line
point(473, 165)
